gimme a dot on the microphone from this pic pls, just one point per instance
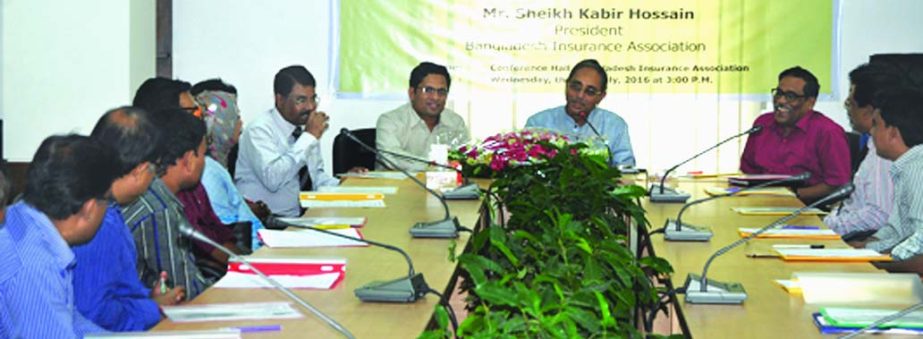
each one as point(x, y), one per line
point(699, 290)
point(401, 290)
point(586, 118)
point(187, 231)
point(665, 194)
point(686, 232)
point(467, 191)
point(447, 227)
point(884, 320)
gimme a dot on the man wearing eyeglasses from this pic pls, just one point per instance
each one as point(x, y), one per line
point(279, 152)
point(415, 126)
point(796, 138)
point(581, 119)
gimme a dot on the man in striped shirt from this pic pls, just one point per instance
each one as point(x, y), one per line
point(62, 206)
point(155, 218)
point(897, 130)
point(868, 207)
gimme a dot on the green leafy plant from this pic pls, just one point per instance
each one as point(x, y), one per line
point(560, 265)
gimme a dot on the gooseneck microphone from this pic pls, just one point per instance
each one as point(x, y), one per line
point(677, 231)
point(191, 233)
point(447, 227)
point(697, 287)
point(664, 194)
point(467, 191)
point(586, 118)
point(401, 290)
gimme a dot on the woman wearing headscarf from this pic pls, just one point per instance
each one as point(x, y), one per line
point(218, 102)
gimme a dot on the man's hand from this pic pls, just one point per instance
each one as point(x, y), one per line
point(172, 296)
point(317, 123)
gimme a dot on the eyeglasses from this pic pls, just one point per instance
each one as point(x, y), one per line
point(789, 96)
point(590, 91)
point(432, 90)
point(303, 100)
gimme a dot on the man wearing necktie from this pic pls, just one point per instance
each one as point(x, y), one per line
point(280, 151)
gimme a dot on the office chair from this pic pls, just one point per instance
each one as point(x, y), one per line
point(348, 154)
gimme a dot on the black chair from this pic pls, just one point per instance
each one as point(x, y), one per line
point(856, 152)
point(348, 154)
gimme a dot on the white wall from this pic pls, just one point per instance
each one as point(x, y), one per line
point(66, 62)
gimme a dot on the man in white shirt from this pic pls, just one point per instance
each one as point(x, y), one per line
point(277, 147)
point(424, 121)
point(869, 206)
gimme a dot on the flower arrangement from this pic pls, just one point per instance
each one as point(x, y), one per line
point(498, 152)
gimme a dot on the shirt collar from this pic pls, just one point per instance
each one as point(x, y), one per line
point(567, 119)
point(417, 121)
point(283, 125)
point(802, 123)
point(913, 155)
point(162, 193)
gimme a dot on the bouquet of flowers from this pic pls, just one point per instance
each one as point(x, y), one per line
point(503, 150)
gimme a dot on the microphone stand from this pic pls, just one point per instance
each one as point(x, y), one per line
point(586, 118)
point(699, 290)
point(678, 231)
point(189, 232)
point(401, 290)
point(467, 191)
point(661, 193)
point(447, 227)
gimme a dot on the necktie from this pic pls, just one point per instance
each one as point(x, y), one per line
point(304, 176)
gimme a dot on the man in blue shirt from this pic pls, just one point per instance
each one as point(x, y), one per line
point(107, 289)
point(62, 206)
point(581, 120)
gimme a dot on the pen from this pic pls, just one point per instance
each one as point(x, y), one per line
point(798, 227)
point(163, 282)
point(811, 246)
point(257, 328)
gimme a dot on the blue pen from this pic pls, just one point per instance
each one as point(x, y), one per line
point(257, 328)
point(799, 227)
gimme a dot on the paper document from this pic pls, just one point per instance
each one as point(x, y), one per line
point(861, 317)
point(341, 200)
point(309, 238)
point(822, 234)
point(389, 190)
point(237, 311)
point(343, 204)
point(394, 175)
point(326, 221)
point(832, 254)
point(290, 272)
point(191, 334)
point(766, 191)
point(780, 211)
point(790, 286)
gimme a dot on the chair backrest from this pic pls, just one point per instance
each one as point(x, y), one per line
point(856, 152)
point(348, 154)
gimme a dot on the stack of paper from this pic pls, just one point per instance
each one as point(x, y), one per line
point(850, 317)
point(326, 222)
point(819, 234)
point(833, 254)
point(394, 175)
point(310, 238)
point(237, 311)
point(390, 190)
point(780, 211)
point(289, 272)
point(226, 333)
point(766, 191)
point(756, 179)
point(332, 199)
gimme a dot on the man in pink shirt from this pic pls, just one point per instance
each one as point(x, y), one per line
point(795, 138)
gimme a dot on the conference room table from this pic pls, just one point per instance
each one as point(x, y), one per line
point(769, 311)
point(389, 225)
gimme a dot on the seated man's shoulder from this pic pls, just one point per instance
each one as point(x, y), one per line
point(826, 124)
point(146, 205)
point(10, 261)
point(544, 118)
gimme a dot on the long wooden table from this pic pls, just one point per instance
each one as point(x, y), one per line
point(769, 311)
point(388, 225)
